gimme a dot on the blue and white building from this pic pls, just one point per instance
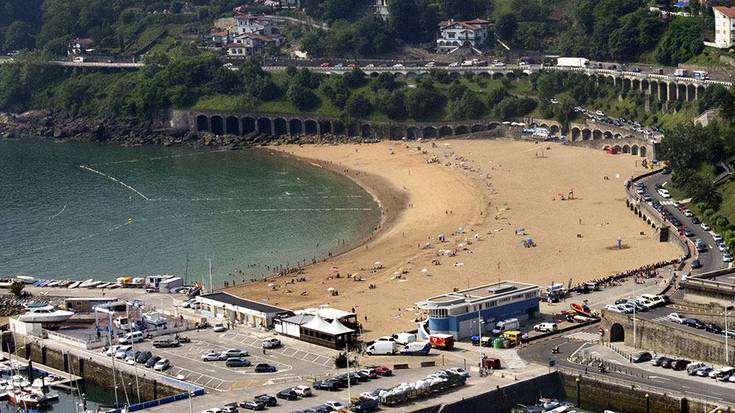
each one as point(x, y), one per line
point(462, 313)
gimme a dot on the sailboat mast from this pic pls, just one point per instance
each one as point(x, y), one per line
point(186, 270)
point(211, 286)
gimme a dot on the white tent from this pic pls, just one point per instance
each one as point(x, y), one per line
point(336, 328)
point(317, 323)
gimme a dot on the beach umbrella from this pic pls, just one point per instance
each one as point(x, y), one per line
point(271, 285)
point(331, 289)
point(424, 271)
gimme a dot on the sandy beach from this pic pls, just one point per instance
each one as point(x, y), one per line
point(478, 191)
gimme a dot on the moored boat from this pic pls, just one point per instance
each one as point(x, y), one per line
point(75, 284)
point(86, 283)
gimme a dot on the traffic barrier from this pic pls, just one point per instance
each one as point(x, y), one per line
point(402, 366)
point(428, 363)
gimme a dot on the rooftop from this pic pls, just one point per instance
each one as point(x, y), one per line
point(470, 24)
point(241, 302)
point(727, 11)
point(477, 294)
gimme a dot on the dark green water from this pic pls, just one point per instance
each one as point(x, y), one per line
point(138, 211)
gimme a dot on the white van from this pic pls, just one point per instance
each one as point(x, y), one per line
point(405, 338)
point(664, 193)
point(383, 347)
point(130, 338)
point(655, 299)
point(505, 325)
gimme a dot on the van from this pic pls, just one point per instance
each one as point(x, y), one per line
point(501, 326)
point(130, 338)
point(417, 349)
point(657, 300)
point(405, 338)
point(514, 336)
point(693, 367)
point(382, 347)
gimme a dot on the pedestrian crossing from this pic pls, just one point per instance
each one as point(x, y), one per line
point(584, 336)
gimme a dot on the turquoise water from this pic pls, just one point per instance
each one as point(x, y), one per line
point(84, 210)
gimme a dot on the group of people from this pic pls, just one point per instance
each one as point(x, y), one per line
point(646, 271)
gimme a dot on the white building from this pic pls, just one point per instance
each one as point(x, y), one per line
point(724, 26)
point(381, 9)
point(251, 36)
point(454, 34)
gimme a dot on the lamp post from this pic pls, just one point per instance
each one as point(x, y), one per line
point(634, 342)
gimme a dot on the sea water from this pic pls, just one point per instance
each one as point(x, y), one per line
point(86, 210)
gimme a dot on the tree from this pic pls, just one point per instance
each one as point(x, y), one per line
point(19, 36)
point(354, 78)
point(682, 41)
point(469, 106)
point(506, 26)
point(302, 98)
point(358, 105)
point(16, 288)
point(395, 106)
point(423, 103)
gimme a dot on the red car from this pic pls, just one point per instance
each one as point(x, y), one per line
point(352, 66)
point(325, 65)
point(382, 370)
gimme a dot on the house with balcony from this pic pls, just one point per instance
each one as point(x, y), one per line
point(250, 35)
point(724, 27)
point(458, 34)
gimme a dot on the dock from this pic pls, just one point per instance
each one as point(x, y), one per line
point(66, 379)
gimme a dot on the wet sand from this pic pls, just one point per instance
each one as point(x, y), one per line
point(481, 191)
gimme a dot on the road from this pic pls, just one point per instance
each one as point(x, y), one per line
point(712, 259)
point(642, 375)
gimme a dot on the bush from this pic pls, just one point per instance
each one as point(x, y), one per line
point(708, 213)
point(340, 361)
point(17, 289)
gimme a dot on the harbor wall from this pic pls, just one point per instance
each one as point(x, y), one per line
point(93, 372)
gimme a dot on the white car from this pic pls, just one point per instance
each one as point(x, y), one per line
point(705, 226)
point(303, 391)
point(213, 410)
point(430, 64)
point(235, 352)
point(657, 300)
point(334, 405)
point(688, 213)
point(219, 328)
point(398, 66)
point(717, 237)
point(664, 193)
point(213, 356)
point(111, 350)
point(722, 247)
point(546, 327)
point(122, 352)
point(675, 317)
point(271, 343)
point(726, 257)
point(614, 308)
point(459, 371)
point(162, 365)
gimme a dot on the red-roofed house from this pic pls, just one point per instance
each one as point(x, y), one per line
point(724, 26)
point(454, 34)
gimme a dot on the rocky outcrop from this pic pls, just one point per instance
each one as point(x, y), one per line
point(41, 123)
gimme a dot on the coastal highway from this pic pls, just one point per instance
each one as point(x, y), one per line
point(712, 259)
point(642, 375)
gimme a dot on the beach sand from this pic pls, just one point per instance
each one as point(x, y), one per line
point(488, 188)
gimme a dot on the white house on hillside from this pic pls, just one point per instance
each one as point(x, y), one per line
point(381, 9)
point(724, 26)
point(454, 34)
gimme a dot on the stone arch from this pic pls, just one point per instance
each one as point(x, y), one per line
point(691, 90)
point(617, 333)
point(485, 75)
point(671, 92)
point(626, 148)
point(430, 132)
point(510, 75)
point(554, 129)
point(396, 132)
point(663, 91)
point(325, 126)
point(699, 91)
point(311, 127)
point(645, 85)
point(496, 75)
point(681, 91)
point(366, 131)
point(445, 131)
point(248, 125)
point(461, 130)
point(636, 84)
point(232, 125)
point(412, 75)
point(412, 132)
point(296, 126)
point(264, 126)
point(586, 134)
point(544, 126)
point(218, 125)
point(280, 127)
point(617, 136)
point(493, 125)
point(596, 134)
point(626, 84)
point(642, 151)
point(634, 150)
point(477, 127)
point(576, 134)
point(617, 149)
point(202, 123)
point(607, 135)
point(338, 128)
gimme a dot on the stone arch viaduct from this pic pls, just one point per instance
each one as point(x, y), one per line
point(599, 136)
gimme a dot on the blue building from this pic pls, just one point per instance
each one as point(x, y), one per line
point(462, 313)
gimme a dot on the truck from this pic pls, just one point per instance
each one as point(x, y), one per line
point(382, 347)
point(442, 341)
point(700, 75)
point(417, 348)
point(405, 338)
point(572, 62)
point(681, 73)
point(505, 325)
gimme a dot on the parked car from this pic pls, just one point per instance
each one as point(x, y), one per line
point(287, 394)
point(383, 371)
point(303, 391)
point(152, 361)
point(705, 226)
point(267, 399)
point(680, 364)
point(271, 343)
point(213, 410)
point(214, 356)
point(696, 264)
point(675, 317)
point(252, 404)
point(165, 342)
point(712, 328)
point(693, 322)
point(614, 308)
point(371, 373)
point(230, 408)
point(143, 357)
point(334, 405)
point(162, 365)
point(704, 371)
point(219, 328)
point(265, 368)
point(657, 359)
point(235, 352)
point(546, 327)
point(642, 357)
point(329, 385)
point(238, 362)
point(665, 362)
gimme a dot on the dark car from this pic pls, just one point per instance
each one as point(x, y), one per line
point(321, 409)
point(712, 328)
point(252, 404)
point(680, 364)
point(287, 394)
point(696, 221)
point(362, 376)
point(265, 368)
point(143, 357)
point(329, 385)
point(267, 399)
point(688, 232)
point(238, 362)
point(152, 361)
point(340, 380)
point(642, 357)
point(666, 362)
point(696, 264)
point(693, 322)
